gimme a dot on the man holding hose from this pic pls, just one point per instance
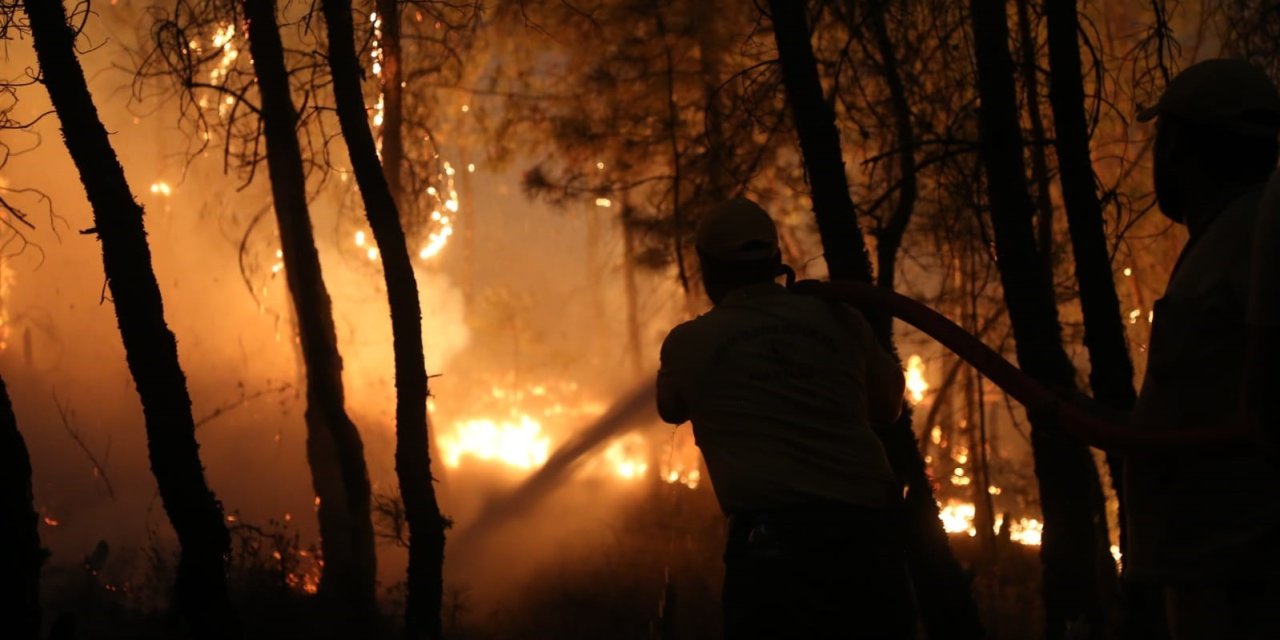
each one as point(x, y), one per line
point(1202, 497)
point(783, 391)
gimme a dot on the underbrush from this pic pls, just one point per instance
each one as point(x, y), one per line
point(658, 575)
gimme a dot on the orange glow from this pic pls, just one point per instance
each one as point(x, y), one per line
point(916, 384)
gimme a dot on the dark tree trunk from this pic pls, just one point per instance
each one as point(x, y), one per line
point(334, 448)
point(631, 289)
point(1111, 369)
point(942, 589)
point(392, 99)
point(150, 348)
point(1111, 374)
point(842, 244)
point(890, 236)
point(719, 182)
point(1070, 494)
point(413, 459)
point(20, 551)
point(1039, 142)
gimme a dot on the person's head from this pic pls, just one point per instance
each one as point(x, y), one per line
point(1216, 131)
point(737, 246)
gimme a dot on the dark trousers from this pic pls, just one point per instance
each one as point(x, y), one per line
point(820, 571)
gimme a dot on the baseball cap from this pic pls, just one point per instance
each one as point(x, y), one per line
point(737, 230)
point(1223, 93)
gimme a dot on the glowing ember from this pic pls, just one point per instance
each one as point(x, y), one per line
point(604, 203)
point(223, 39)
point(51, 521)
point(916, 384)
point(625, 457)
point(161, 188)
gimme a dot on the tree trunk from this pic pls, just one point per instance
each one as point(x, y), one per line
point(150, 348)
point(890, 236)
point(942, 589)
point(392, 99)
point(334, 448)
point(635, 349)
point(719, 182)
point(1039, 158)
point(1111, 369)
point(20, 553)
point(413, 460)
point(1070, 494)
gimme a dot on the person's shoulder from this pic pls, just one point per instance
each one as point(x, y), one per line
point(684, 332)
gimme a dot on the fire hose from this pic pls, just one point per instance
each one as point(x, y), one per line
point(1071, 418)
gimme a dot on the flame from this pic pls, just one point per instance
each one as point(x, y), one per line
point(1026, 531)
point(957, 516)
point(305, 576)
point(517, 443)
point(521, 436)
point(916, 384)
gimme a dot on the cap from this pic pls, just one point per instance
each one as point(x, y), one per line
point(737, 230)
point(1224, 93)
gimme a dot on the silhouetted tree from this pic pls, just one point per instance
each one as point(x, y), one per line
point(941, 587)
point(20, 552)
point(392, 76)
point(150, 348)
point(1070, 495)
point(334, 448)
point(413, 460)
point(1111, 368)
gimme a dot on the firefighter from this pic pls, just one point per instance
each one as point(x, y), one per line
point(784, 391)
point(1203, 526)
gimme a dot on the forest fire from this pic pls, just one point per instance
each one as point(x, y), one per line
point(520, 442)
point(404, 300)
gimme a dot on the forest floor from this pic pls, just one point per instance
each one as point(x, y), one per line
point(657, 577)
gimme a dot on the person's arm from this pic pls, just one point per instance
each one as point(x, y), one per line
point(886, 384)
point(673, 408)
point(885, 380)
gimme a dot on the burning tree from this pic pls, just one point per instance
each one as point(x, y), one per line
point(150, 347)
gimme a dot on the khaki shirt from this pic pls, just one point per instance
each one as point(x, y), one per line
point(775, 385)
point(1201, 515)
